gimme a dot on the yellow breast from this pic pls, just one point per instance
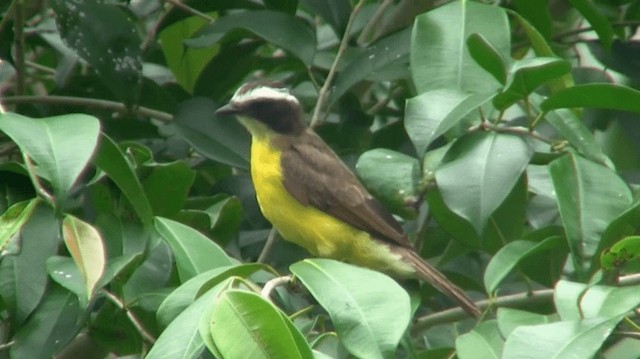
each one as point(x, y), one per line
point(319, 233)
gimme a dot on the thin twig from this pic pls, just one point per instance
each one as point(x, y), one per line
point(268, 245)
point(373, 23)
point(513, 301)
point(7, 345)
point(273, 284)
point(136, 323)
point(324, 91)
point(578, 31)
point(89, 102)
point(190, 10)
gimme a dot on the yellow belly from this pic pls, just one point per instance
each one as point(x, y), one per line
point(319, 233)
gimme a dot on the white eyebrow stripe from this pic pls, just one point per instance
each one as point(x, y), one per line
point(263, 93)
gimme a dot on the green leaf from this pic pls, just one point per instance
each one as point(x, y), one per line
point(432, 113)
point(570, 339)
point(63, 270)
point(510, 319)
point(599, 95)
point(50, 328)
point(537, 13)
point(104, 37)
point(586, 205)
point(487, 56)
point(181, 338)
point(484, 341)
point(510, 255)
point(221, 139)
point(86, 248)
point(344, 291)
point(479, 171)
point(190, 290)
point(167, 186)
point(113, 162)
point(13, 219)
point(392, 177)
point(23, 277)
point(525, 76)
point(597, 19)
point(61, 146)
point(577, 300)
point(194, 253)
point(334, 12)
point(264, 331)
point(624, 251)
point(283, 30)
point(439, 55)
point(387, 53)
point(507, 223)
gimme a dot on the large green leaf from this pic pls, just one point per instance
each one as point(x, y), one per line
point(432, 113)
point(392, 177)
point(537, 13)
point(344, 291)
point(87, 250)
point(61, 146)
point(510, 319)
point(484, 341)
point(597, 19)
point(50, 328)
point(569, 339)
point(104, 37)
point(576, 300)
point(264, 331)
point(487, 56)
point(167, 186)
point(286, 31)
point(439, 55)
point(599, 95)
point(590, 196)
point(479, 171)
point(194, 253)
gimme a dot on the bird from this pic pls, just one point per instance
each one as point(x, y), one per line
point(314, 200)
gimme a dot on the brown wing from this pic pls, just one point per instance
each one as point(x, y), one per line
point(315, 176)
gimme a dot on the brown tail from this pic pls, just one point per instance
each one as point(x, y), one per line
point(432, 276)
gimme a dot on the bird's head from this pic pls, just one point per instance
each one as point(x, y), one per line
point(265, 107)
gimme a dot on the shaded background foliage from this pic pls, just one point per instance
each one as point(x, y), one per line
point(504, 134)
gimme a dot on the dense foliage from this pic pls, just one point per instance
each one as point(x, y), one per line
point(505, 135)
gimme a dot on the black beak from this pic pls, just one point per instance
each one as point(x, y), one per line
point(227, 110)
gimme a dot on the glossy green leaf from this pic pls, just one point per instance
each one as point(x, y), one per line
point(87, 250)
point(264, 331)
point(537, 14)
point(597, 19)
point(525, 76)
point(151, 275)
point(286, 31)
point(624, 251)
point(167, 186)
point(388, 53)
point(189, 291)
point(586, 205)
point(392, 177)
point(487, 56)
point(102, 35)
point(61, 146)
point(12, 220)
point(600, 95)
point(432, 113)
point(570, 339)
point(344, 291)
point(50, 328)
point(510, 255)
point(194, 253)
point(479, 171)
point(63, 270)
point(577, 300)
point(219, 138)
point(507, 223)
point(181, 339)
point(110, 159)
point(23, 277)
point(484, 341)
point(439, 55)
point(510, 319)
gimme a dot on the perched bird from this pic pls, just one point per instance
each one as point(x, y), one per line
point(314, 200)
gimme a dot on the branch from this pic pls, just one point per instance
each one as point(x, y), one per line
point(273, 284)
point(136, 323)
point(513, 301)
point(190, 10)
point(89, 102)
point(324, 91)
point(268, 245)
